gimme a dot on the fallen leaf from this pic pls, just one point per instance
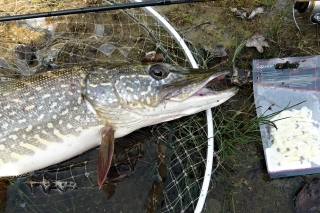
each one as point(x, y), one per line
point(257, 41)
point(153, 57)
point(255, 12)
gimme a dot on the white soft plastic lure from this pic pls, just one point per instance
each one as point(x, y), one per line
point(295, 142)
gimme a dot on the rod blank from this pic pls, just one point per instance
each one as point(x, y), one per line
point(97, 9)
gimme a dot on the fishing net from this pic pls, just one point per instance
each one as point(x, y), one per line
point(163, 173)
point(117, 36)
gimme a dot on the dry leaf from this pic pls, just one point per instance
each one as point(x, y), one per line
point(153, 57)
point(255, 12)
point(257, 41)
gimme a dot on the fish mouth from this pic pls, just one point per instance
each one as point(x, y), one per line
point(188, 100)
point(199, 89)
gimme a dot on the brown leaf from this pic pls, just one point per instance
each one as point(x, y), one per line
point(257, 41)
point(153, 57)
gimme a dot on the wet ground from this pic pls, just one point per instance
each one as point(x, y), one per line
point(241, 184)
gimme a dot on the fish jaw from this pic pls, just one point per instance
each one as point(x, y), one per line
point(197, 88)
point(170, 110)
point(196, 103)
point(187, 100)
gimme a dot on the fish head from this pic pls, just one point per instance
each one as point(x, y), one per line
point(136, 96)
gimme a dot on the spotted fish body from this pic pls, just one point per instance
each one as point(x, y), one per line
point(42, 117)
point(51, 117)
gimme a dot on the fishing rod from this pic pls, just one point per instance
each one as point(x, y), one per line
point(99, 8)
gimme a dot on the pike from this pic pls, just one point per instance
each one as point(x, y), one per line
point(51, 117)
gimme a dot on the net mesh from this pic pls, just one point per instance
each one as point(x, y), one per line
point(114, 36)
point(161, 174)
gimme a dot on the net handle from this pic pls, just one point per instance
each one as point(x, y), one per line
point(210, 148)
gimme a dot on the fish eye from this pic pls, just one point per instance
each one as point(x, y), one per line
point(158, 71)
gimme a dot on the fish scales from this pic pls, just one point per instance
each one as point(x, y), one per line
point(54, 116)
point(49, 108)
point(41, 110)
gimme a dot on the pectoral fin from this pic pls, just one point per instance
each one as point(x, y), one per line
point(105, 154)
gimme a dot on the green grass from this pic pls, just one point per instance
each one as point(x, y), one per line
point(233, 192)
point(239, 48)
point(180, 17)
point(237, 129)
point(276, 24)
point(225, 201)
point(266, 2)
